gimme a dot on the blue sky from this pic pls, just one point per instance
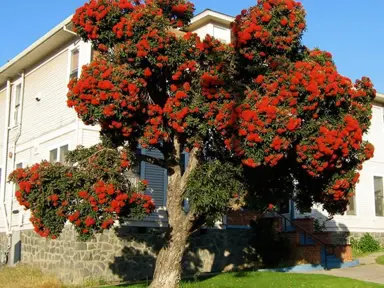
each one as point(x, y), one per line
point(352, 30)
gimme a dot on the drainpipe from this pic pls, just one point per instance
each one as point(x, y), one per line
point(69, 31)
point(5, 156)
point(4, 171)
point(18, 136)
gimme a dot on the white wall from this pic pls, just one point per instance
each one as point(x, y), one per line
point(2, 124)
point(214, 29)
point(46, 124)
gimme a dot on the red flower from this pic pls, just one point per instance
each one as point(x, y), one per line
point(147, 72)
point(145, 182)
point(83, 194)
point(284, 21)
point(89, 221)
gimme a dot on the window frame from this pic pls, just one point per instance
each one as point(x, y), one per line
point(374, 195)
point(354, 204)
point(16, 106)
point(70, 71)
point(58, 147)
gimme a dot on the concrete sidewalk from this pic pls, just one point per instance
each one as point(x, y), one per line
point(367, 271)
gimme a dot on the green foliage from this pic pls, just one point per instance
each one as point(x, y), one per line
point(318, 225)
point(211, 186)
point(380, 260)
point(365, 244)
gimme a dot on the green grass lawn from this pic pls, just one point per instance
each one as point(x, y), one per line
point(358, 254)
point(270, 279)
point(380, 260)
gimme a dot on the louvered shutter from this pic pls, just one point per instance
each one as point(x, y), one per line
point(156, 177)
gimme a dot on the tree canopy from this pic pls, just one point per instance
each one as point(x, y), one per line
point(264, 118)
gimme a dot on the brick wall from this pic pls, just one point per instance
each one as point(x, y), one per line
point(241, 218)
point(344, 253)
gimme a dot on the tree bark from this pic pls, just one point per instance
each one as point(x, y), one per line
point(168, 267)
point(168, 263)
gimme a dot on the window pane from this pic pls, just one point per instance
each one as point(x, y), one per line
point(63, 153)
point(378, 186)
point(53, 155)
point(17, 104)
point(16, 115)
point(74, 63)
point(351, 206)
point(18, 94)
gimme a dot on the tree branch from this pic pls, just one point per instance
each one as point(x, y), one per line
point(192, 164)
point(152, 160)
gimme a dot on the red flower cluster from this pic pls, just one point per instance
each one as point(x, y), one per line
point(329, 147)
point(90, 210)
point(102, 91)
point(141, 200)
point(269, 27)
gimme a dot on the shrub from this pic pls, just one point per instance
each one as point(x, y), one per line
point(365, 244)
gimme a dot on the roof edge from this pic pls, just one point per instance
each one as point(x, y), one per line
point(214, 14)
point(36, 44)
point(379, 97)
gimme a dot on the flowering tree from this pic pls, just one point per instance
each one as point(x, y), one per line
point(263, 118)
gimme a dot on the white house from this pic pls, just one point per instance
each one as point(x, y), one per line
point(35, 124)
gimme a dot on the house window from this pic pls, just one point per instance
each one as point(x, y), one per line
point(351, 210)
point(16, 108)
point(378, 188)
point(58, 154)
point(74, 63)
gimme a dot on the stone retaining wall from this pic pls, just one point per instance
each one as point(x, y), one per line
point(129, 253)
point(3, 248)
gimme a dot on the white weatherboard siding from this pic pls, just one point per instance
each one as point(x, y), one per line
point(365, 219)
point(46, 124)
point(2, 124)
point(217, 30)
point(90, 137)
point(49, 83)
point(2, 144)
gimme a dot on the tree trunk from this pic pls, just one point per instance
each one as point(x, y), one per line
point(168, 263)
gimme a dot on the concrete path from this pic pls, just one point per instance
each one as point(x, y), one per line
point(367, 271)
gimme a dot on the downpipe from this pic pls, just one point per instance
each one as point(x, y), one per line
point(4, 172)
